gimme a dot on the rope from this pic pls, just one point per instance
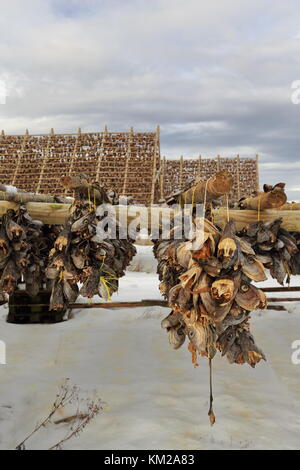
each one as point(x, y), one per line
point(204, 199)
point(227, 208)
point(193, 197)
point(211, 399)
point(258, 210)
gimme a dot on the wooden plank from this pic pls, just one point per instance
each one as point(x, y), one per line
point(290, 219)
point(141, 303)
point(20, 157)
point(281, 289)
point(257, 172)
point(238, 176)
point(156, 150)
point(276, 307)
point(55, 213)
point(45, 160)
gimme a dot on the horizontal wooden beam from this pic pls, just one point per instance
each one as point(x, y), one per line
point(56, 214)
point(290, 219)
point(281, 289)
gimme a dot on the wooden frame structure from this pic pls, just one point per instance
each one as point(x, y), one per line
point(128, 162)
point(175, 174)
point(125, 161)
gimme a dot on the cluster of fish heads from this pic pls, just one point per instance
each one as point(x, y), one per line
point(209, 288)
point(276, 248)
point(24, 248)
point(84, 263)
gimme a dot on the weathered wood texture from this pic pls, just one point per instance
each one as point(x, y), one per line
point(244, 171)
point(213, 188)
point(270, 200)
point(124, 161)
point(24, 197)
point(128, 162)
point(54, 213)
point(291, 219)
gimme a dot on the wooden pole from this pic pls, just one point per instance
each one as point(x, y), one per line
point(156, 145)
point(270, 200)
point(101, 154)
point(128, 155)
point(290, 219)
point(238, 176)
point(281, 289)
point(162, 177)
point(20, 156)
point(200, 167)
point(74, 154)
point(290, 206)
point(181, 173)
point(57, 213)
point(45, 160)
point(257, 172)
point(215, 187)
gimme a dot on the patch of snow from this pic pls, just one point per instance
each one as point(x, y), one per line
point(144, 260)
point(11, 189)
point(155, 398)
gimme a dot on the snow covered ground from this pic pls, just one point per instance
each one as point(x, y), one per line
point(154, 397)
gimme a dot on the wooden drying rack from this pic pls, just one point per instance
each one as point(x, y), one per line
point(56, 214)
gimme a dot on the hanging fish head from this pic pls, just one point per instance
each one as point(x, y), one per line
point(3, 246)
point(222, 291)
point(227, 248)
point(197, 334)
point(176, 336)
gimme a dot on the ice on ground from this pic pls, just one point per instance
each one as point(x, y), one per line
point(144, 260)
point(154, 397)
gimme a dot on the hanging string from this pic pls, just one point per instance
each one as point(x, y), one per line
point(211, 213)
point(227, 208)
point(211, 414)
point(204, 199)
point(193, 198)
point(258, 210)
point(89, 196)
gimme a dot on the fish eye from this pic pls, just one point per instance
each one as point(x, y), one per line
point(244, 288)
point(180, 332)
point(191, 334)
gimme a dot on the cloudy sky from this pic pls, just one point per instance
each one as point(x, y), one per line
point(216, 75)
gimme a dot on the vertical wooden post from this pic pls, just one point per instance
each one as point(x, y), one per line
point(238, 176)
point(101, 153)
point(128, 155)
point(45, 160)
point(218, 163)
point(181, 173)
point(156, 150)
point(199, 166)
point(257, 172)
point(162, 178)
point(73, 158)
point(75, 150)
point(20, 156)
